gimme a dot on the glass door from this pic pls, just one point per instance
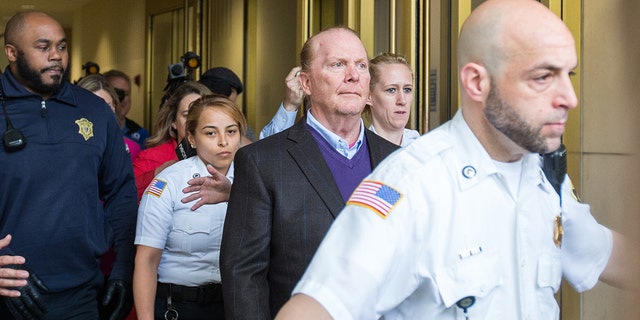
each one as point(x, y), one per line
point(173, 31)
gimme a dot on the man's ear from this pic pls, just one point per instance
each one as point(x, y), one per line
point(304, 82)
point(475, 81)
point(12, 52)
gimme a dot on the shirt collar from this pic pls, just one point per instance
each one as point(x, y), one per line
point(14, 89)
point(477, 159)
point(339, 144)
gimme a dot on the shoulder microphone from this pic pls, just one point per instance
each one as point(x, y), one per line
point(13, 139)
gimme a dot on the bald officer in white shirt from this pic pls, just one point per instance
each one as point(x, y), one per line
point(463, 223)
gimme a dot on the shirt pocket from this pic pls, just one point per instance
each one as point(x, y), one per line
point(191, 232)
point(549, 271)
point(549, 279)
point(475, 276)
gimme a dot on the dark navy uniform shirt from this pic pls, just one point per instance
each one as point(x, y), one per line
point(70, 193)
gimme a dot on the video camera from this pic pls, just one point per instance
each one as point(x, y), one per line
point(180, 72)
point(184, 69)
point(89, 68)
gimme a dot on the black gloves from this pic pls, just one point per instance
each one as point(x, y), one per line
point(29, 304)
point(117, 300)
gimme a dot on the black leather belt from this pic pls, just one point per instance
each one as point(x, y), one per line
point(210, 293)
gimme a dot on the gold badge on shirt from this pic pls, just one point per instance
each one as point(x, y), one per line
point(85, 128)
point(558, 232)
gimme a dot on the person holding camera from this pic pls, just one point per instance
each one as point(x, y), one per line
point(67, 188)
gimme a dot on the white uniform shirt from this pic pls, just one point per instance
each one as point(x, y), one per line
point(408, 135)
point(190, 240)
point(435, 223)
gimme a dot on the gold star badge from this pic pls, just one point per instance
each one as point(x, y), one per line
point(85, 128)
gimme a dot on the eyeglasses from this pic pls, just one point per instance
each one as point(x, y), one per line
point(121, 94)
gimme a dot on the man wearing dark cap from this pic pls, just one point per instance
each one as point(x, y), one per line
point(223, 81)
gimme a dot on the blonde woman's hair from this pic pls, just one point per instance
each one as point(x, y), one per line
point(95, 82)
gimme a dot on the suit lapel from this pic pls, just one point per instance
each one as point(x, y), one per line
point(378, 148)
point(307, 155)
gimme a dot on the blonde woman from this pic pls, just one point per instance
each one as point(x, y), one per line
point(391, 98)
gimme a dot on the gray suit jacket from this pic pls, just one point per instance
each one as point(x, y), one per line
point(282, 203)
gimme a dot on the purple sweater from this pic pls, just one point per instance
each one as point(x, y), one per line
point(347, 173)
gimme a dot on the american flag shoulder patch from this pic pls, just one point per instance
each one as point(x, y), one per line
point(376, 196)
point(156, 187)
